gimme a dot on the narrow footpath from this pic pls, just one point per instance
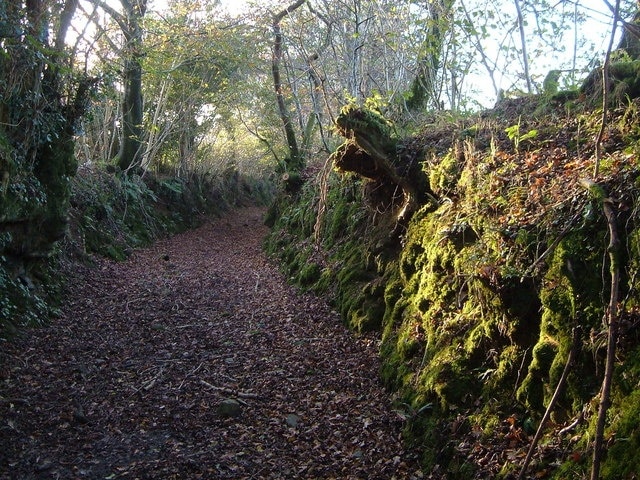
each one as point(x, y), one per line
point(194, 359)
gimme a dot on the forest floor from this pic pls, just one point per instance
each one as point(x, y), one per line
point(195, 359)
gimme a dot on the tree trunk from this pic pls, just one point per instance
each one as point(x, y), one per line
point(131, 146)
point(423, 88)
point(371, 152)
point(187, 144)
point(37, 123)
point(623, 77)
point(295, 161)
point(523, 41)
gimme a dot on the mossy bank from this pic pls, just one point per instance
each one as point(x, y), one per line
point(480, 295)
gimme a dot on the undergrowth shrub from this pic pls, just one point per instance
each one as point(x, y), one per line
point(110, 214)
point(324, 246)
point(21, 303)
point(113, 214)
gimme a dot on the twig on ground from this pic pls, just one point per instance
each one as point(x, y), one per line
point(21, 401)
point(189, 375)
point(231, 391)
point(149, 384)
point(573, 424)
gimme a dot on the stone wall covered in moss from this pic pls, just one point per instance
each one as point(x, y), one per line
point(479, 299)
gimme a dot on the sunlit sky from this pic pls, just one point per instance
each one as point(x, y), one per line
point(230, 6)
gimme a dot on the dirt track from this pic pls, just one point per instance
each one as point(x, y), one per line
point(129, 382)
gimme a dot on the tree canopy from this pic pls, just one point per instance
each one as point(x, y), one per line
point(205, 75)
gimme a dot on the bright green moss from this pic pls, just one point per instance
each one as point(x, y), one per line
point(443, 178)
point(532, 393)
point(622, 460)
point(309, 274)
point(447, 377)
point(571, 295)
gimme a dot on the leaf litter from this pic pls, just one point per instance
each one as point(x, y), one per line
point(195, 359)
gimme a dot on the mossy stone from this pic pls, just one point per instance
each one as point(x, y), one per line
point(229, 407)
